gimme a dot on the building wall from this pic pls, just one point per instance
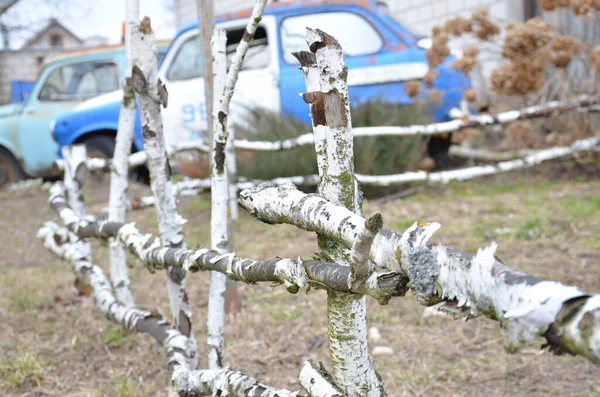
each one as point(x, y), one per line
point(421, 15)
point(19, 65)
point(68, 40)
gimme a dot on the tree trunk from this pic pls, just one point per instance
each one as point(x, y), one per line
point(353, 370)
point(152, 94)
point(120, 168)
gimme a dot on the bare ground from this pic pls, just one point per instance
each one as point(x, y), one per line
point(547, 222)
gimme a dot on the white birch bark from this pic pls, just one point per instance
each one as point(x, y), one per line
point(295, 274)
point(232, 176)
point(488, 155)
point(317, 382)
point(76, 174)
point(462, 174)
point(153, 94)
point(184, 380)
point(232, 76)
point(119, 170)
point(219, 221)
point(551, 109)
point(527, 307)
point(352, 367)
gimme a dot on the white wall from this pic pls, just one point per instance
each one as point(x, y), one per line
point(421, 15)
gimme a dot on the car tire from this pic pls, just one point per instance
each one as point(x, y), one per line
point(10, 169)
point(100, 146)
point(103, 146)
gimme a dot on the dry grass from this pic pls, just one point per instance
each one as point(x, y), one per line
point(53, 343)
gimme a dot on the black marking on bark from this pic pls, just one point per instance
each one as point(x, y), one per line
point(147, 132)
point(138, 80)
point(163, 93)
point(512, 278)
point(185, 325)
point(247, 37)
point(220, 157)
point(176, 274)
point(222, 116)
point(168, 168)
point(569, 310)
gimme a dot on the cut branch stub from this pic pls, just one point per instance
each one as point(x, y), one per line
point(360, 265)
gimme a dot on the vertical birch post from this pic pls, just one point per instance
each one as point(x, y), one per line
point(219, 222)
point(221, 236)
point(205, 10)
point(153, 94)
point(119, 170)
point(232, 175)
point(75, 175)
point(327, 96)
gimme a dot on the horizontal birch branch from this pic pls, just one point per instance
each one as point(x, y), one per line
point(488, 155)
point(550, 109)
point(186, 382)
point(295, 274)
point(527, 307)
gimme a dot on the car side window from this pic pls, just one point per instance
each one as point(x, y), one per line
point(186, 63)
point(80, 81)
point(356, 35)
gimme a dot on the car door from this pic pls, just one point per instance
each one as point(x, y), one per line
point(185, 116)
point(378, 60)
point(58, 90)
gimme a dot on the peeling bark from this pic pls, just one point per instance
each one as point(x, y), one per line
point(550, 109)
point(219, 219)
point(317, 382)
point(152, 94)
point(295, 274)
point(527, 307)
point(353, 370)
point(119, 170)
point(184, 380)
point(75, 176)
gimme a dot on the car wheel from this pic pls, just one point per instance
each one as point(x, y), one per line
point(10, 170)
point(100, 146)
point(103, 146)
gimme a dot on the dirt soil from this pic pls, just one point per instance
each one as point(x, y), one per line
point(546, 221)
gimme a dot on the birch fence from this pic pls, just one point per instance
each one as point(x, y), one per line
point(358, 256)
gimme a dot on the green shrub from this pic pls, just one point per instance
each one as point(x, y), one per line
point(373, 156)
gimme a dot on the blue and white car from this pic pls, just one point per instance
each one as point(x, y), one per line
point(381, 55)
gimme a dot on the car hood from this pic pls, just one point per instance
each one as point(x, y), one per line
point(9, 110)
point(104, 99)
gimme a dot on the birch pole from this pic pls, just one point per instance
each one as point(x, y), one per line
point(219, 222)
point(120, 167)
point(76, 173)
point(221, 236)
point(327, 95)
point(205, 10)
point(153, 94)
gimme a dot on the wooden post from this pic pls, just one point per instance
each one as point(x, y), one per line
point(120, 168)
point(152, 94)
point(327, 94)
